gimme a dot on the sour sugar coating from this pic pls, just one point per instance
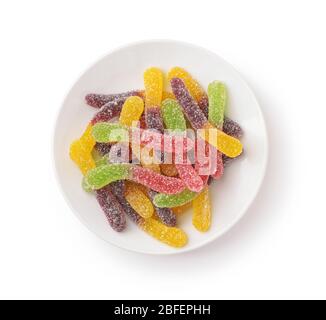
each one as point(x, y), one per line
point(217, 103)
point(118, 190)
point(176, 200)
point(131, 111)
point(193, 86)
point(232, 128)
point(112, 209)
point(173, 116)
point(96, 100)
point(202, 214)
point(138, 200)
point(153, 82)
point(103, 148)
point(166, 215)
point(81, 151)
point(174, 120)
point(154, 119)
point(171, 236)
point(156, 181)
point(109, 111)
point(99, 177)
point(189, 105)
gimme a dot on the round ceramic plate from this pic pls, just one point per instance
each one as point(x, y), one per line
point(122, 70)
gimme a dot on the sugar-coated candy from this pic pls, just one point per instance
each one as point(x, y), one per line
point(96, 100)
point(109, 111)
point(190, 107)
point(166, 215)
point(105, 132)
point(173, 116)
point(182, 209)
point(131, 111)
point(81, 151)
point(193, 86)
point(174, 120)
point(171, 236)
point(169, 170)
point(100, 177)
point(112, 209)
point(138, 200)
point(217, 102)
point(157, 182)
point(154, 119)
point(103, 148)
point(118, 190)
point(176, 200)
point(202, 214)
point(153, 82)
point(226, 144)
point(232, 128)
point(190, 177)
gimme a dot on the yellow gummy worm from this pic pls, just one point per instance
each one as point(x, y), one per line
point(202, 211)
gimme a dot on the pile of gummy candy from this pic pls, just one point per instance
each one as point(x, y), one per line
point(153, 195)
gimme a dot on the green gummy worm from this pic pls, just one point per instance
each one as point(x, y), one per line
point(105, 132)
point(103, 175)
point(173, 115)
point(217, 102)
point(171, 201)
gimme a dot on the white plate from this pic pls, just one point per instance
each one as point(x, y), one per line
point(122, 70)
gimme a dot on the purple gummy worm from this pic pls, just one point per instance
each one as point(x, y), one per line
point(96, 100)
point(103, 148)
point(166, 215)
point(190, 107)
point(232, 128)
point(154, 119)
point(118, 189)
point(109, 111)
point(112, 209)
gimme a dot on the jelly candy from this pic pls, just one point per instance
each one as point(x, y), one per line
point(96, 100)
point(103, 148)
point(173, 116)
point(118, 190)
point(171, 236)
point(153, 81)
point(131, 111)
point(99, 177)
point(193, 86)
point(157, 182)
point(166, 215)
point(174, 120)
point(202, 211)
point(169, 170)
point(176, 200)
point(190, 107)
point(112, 209)
point(81, 151)
point(109, 111)
point(228, 145)
point(139, 201)
point(104, 132)
point(154, 119)
point(217, 102)
point(182, 209)
point(232, 128)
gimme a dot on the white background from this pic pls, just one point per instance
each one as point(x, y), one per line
point(276, 251)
